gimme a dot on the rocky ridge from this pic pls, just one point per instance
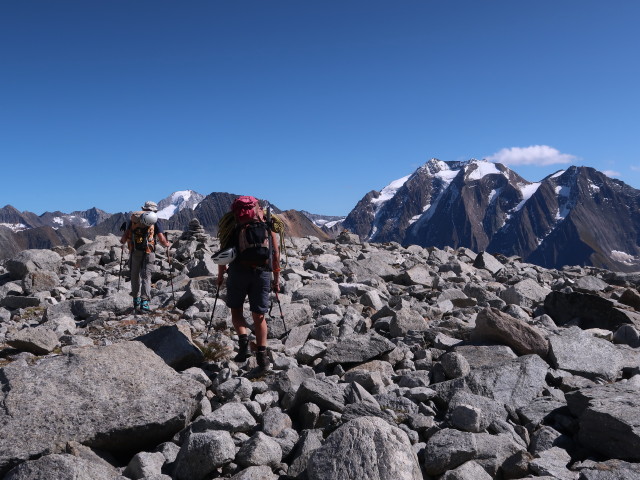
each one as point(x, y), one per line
point(389, 362)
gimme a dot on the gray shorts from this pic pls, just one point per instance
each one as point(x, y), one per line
point(245, 281)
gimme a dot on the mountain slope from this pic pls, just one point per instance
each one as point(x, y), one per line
point(577, 216)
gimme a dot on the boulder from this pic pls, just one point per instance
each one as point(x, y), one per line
point(406, 320)
point(608, 419)
point(319, 293)
point(513, 383)
point(323, 393)
point(34, 260)
point(357, 349)
point(117, 398)
point(591, 310)
point(40, 281)
point(417, 275)
point(255, 473)
point(367, 447)
point(174, 345)
point(63, 466)
point(39, 340)
point(295, 314)
point(230, 417)
point(580, 353)
point(448, 449)
point(488, 262)
point(202, 453)
point(526, 293)
point(117, 303)
point(260, 449)
point(494, 326)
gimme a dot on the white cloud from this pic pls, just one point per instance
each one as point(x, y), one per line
point(611, 173)
point(539, 155)
point(635, 168)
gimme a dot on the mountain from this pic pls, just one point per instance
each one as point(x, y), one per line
point(577, 216)
point(330, 225)
point(177, 201)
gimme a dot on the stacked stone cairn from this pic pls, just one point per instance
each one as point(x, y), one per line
point(395, 363)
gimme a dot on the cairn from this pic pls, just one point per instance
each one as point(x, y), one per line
point(194, 231)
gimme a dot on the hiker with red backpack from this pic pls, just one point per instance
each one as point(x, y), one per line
point(250, 256)
point(140, 236)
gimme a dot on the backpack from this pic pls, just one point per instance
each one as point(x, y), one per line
point(142, 236)
point(252, 243)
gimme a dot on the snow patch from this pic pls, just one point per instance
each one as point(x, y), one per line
point(415, 218)
point(182, 194)
point(388, 192)
point(527, 192)
point(167, 212)
point(16, 227)
point(483, 169)
point(58, 221)
point(623, 257)
point(564, 206)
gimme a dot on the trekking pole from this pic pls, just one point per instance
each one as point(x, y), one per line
point(269, 223)
point(286, 331)
point(120, 273)
point(173, 295)
point(215, 302)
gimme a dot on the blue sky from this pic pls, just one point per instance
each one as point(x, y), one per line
point(307, 103)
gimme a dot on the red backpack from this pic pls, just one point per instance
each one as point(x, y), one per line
point(252, 233)
point(244, 208)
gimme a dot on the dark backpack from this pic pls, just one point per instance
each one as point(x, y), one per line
point(253, 243)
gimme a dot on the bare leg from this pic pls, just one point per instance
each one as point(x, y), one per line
point(260, 329)
point(237, 318)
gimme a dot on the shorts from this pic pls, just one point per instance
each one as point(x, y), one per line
point(246, 281)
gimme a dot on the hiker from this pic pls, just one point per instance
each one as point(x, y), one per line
point(249, 246)
point(140, 236)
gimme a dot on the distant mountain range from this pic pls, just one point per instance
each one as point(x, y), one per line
point(577, 216)
point(22, 230)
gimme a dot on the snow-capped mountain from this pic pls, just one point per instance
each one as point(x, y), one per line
point(332, 225)
point(178, 201)
point(19, 221)
point(575, 216)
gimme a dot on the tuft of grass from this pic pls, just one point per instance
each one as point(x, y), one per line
point(215, 351)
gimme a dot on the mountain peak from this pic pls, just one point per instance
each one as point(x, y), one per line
point(177, 201)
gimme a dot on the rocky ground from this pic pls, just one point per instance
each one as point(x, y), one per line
point(389, 363)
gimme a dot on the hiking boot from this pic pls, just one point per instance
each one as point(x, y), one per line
point(144, 306)
point(136, 303)
point(243, 350)
point(263, 360)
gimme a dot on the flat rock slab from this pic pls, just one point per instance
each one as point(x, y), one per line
point(580, 353)
point(116, 398)
point(358, 349)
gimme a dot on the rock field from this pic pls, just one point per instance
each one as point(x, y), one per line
point(389, 363)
